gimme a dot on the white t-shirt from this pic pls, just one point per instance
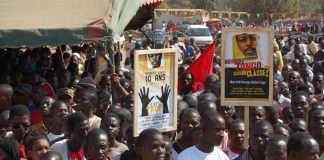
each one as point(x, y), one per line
point(52, 136)
point(61, 147)
point(174, 155)
point(231, 153)
point(193, 153)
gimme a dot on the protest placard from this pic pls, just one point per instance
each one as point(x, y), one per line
point(156, 75)
point(247, 67)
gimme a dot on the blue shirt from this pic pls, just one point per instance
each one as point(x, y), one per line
point(189, 51)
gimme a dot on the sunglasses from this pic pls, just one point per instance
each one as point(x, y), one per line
point(19, 125)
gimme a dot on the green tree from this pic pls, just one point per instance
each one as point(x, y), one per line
point(251, 6)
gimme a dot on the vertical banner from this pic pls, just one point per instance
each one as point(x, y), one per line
point(248, 70)
point(156, 75)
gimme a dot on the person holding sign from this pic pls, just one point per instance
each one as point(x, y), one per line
point(245, 46)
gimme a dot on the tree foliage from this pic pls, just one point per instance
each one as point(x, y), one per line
point(252, 6)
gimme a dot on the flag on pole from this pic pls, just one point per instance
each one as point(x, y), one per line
point(200, 69)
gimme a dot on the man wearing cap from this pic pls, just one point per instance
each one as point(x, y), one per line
point(66, 95)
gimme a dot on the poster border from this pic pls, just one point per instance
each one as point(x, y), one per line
point(247, 101)
point(137, 53)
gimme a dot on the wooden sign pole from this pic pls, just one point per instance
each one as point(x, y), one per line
point(246, 126)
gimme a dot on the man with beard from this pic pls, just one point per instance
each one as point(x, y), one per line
point(213, 126)
point(236, 136)
point(111, 124)
point(244, 46)
point(300, 105)
point(316, 127)
point(77, 127)
point(261, 133)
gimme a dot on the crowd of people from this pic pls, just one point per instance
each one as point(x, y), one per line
point(56, 104)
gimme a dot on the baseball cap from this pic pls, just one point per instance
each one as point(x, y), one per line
point(65, 91)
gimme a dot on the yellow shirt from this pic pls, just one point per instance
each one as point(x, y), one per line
point(279, 56)
point(313, 48)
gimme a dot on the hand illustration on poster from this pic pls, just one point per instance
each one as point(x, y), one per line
point(164, 98)
point(144, 97)
point(145, 100)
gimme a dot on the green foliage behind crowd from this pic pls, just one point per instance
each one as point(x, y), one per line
point(252, 6)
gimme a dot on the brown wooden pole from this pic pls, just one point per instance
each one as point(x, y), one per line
point(246, 126)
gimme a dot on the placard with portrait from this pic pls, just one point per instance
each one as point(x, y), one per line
point(247, 70)
point(155, 90)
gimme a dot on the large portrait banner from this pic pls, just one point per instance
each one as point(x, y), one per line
point(247, 67)
point(155, 91)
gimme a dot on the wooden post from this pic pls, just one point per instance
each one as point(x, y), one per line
point(246, 126)
point(153, 28)
point(111, 52)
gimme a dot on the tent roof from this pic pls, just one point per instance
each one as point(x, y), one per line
point(145, 2)
point(144, 14)
point(38, 22)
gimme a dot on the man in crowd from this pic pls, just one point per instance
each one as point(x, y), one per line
point(77, 129)
point(297, 103)
point(189, 118)
point(213, 126)
point(261, 133)
point(96, 145)
point(277, 148)
point(19, 120)
point(236, 135)
point(302, 146)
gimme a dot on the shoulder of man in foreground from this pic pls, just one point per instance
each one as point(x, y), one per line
point(193, 153)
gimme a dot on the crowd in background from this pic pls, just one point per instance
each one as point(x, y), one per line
point(56, 103)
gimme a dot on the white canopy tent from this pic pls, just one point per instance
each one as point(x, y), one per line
point(38, 22)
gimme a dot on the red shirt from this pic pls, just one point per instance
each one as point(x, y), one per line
point(76, 156)
point(22, 151)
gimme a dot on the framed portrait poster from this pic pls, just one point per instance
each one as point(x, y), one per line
point(247, 67)
point(155, 91)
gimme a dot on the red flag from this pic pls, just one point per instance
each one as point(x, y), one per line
point(200, 69)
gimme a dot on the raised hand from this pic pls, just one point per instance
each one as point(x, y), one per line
point(144, 96)
point(164, 97)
